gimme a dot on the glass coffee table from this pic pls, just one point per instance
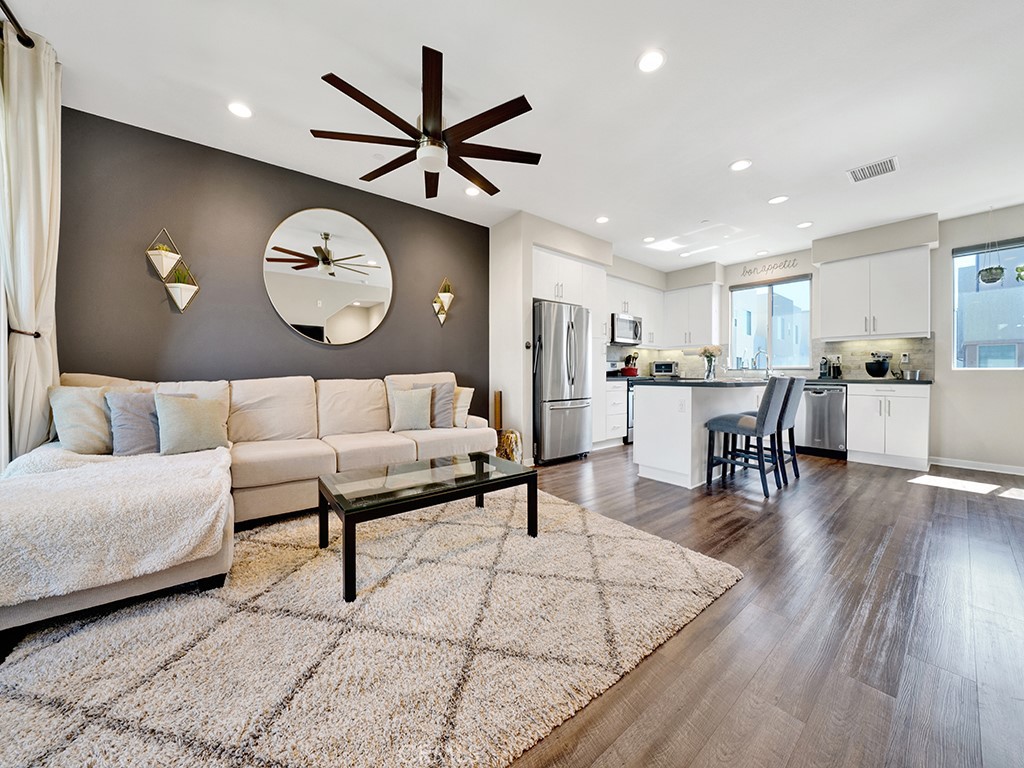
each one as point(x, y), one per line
point(359, 495)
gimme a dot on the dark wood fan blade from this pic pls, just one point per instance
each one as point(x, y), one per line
point(364, 138)
point(305, 266)
point(430, 182)
point(467, 171)
point(388, 167)
point(279, 249)
point(485, 152)
point(432, 93)
point(374, 106)
point(485, 120)
point(287, 261)
point(352, 269)
point(324, 255)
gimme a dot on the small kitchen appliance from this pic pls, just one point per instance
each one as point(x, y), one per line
point(878, 366)
point(665, 369)
point(830, 369)
point(627, 330)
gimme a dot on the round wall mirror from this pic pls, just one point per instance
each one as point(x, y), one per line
point(327, 276)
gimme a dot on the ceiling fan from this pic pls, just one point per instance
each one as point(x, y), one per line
point(430, 144)
point(323, 260)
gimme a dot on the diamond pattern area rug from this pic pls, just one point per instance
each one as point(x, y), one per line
point(468, 643)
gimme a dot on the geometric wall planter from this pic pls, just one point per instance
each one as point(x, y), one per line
point(181, 285)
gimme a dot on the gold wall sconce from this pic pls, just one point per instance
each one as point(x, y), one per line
point(177, 278)
point(443, 300)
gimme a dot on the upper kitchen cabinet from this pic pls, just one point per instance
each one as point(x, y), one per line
point(559, 278)
point(691, 316)
point(886, 295)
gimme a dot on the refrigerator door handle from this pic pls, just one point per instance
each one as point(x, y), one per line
point(536, 353)
point(570, 405)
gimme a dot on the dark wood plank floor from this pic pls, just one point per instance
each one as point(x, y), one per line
point(879, 623)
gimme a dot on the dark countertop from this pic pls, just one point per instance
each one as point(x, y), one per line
point(700, 383)
point(880, 381)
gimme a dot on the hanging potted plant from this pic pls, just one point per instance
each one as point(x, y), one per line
point(163, 258)
point(181, 286)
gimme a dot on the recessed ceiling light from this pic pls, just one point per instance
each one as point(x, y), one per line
point(805, 224)
point(761, 253)
point(651, 60)
point(472, 190)
point(777, 199)
point(356, 304)
point(238, 109)
point(740, 165)
point(601, 219)
point(371, 263)
point(648, 239)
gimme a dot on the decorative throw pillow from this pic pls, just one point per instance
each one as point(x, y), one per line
point(412, 410)
point(190, 424)
point(442, 403)
point(463, 397)
point(81, 418)
point(133, 423)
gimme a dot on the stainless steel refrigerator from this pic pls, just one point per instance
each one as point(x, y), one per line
point(562, 409)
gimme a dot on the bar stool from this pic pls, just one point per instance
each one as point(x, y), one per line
point(765, 423)
point(786, 423)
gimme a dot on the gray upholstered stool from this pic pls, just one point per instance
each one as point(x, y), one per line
point(787, 423)
point(763, 424)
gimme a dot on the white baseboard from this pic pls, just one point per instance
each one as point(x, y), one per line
point(615, 442)
point(1005, 469)
point(886, 460)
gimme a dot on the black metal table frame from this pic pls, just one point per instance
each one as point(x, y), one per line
point(351, 518)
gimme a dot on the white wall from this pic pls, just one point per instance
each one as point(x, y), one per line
point(977, 416)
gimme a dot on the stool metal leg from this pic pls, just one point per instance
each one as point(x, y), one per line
point(711, 457)
point(732, 454)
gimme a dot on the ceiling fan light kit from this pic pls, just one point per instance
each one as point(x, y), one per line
point(431, 143)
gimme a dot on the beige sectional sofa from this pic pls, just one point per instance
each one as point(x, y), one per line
point(284, 433)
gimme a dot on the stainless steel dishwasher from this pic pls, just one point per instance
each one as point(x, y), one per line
point(824, 420)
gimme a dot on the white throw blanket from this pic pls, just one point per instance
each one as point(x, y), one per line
point(70, 522)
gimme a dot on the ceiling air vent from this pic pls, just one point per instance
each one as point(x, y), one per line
point(871, 170)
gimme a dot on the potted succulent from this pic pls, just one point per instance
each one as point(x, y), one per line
point(1020, 274)
point(181, 286)
point(710, 353)
point(163, 258)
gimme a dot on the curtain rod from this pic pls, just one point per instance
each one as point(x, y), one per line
point(23, 36)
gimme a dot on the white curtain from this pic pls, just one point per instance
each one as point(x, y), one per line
point(29, 222)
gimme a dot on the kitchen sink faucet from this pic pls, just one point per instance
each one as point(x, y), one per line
point(767, 362)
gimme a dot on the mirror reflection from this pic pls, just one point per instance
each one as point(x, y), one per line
point(327, 276)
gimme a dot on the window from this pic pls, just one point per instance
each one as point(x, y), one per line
point(774, 319)
point(988, 317)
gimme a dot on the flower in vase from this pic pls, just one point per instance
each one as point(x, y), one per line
point(710, 351)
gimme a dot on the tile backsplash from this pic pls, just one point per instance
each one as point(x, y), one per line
point(856, 353)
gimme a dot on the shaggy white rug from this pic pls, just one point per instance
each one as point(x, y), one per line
point(468, 643)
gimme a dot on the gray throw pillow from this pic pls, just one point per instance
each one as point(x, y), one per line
point(190, 424)
point(412, 410)
point(133, 423)
point(442, 403)
point(463, 397)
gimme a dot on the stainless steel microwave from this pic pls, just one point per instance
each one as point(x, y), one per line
point(627, 330)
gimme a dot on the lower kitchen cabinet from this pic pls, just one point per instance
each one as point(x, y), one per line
point(888, 425)
point(615, 410)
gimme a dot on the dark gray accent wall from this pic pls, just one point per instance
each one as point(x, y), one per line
point(121, 185)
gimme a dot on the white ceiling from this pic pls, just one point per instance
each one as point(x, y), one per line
point(806, 90)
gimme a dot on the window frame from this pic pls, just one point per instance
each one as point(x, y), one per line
point(770, 284)
point(1002, 244)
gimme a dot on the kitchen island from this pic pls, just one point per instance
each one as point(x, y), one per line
point(669, 436)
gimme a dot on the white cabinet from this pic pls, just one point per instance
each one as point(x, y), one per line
point(598, 391)
point(691, 317)
point(615, 409)
point(881, 296)
point(558, 278)
point(622, 297)
point(888, 424)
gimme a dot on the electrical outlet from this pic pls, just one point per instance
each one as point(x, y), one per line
point(905, 357)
